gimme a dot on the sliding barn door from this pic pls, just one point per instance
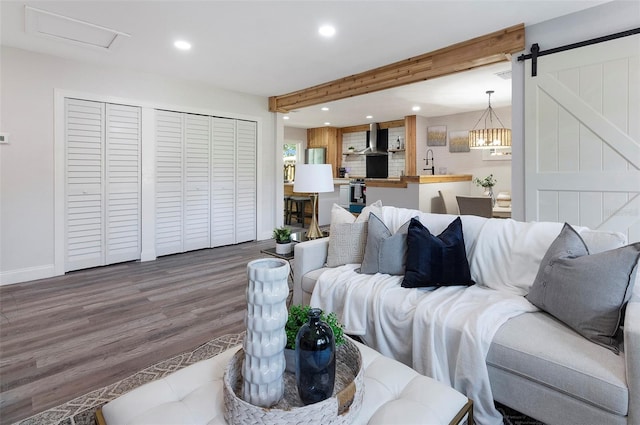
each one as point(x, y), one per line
point(582, 137)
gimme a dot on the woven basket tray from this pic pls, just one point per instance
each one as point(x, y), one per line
point(339, 409)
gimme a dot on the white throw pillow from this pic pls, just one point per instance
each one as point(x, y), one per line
point(348, 235)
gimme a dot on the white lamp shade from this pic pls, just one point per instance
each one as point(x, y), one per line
point(313, 178)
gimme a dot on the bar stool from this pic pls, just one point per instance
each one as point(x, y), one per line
point(287, 210)
point(298, 213)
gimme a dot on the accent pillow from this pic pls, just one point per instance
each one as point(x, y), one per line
point(348, 235)
point(436, 260)
point(586, 292)
point(384, 252)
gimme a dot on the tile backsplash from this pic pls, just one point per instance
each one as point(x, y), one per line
point(356, 164)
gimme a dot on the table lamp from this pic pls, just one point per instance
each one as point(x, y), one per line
point(312, 179)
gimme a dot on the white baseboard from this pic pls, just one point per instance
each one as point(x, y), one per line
point(24, 275)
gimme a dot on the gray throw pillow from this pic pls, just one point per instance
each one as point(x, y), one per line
point(586, 292)
point(384, 252)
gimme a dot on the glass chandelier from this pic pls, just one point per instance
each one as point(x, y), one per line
point(489, 137)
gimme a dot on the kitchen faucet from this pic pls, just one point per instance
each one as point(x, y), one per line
point(433, 168)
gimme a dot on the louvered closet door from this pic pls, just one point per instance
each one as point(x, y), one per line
point(123, 200)
point(169, 182)
point(223, 182)
point(84, 194)
point(197, 202)
point(246, 181)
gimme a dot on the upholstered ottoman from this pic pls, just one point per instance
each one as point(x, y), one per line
point(393, 394)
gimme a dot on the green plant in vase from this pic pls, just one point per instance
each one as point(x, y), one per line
point(282, 235)
point(487, 183)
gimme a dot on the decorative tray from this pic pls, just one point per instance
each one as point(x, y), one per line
point(339, 409)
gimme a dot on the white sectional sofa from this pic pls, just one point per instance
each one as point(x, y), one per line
point(536, 364)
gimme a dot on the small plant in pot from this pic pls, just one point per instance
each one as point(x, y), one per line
point(298, 316)
point(282, 235)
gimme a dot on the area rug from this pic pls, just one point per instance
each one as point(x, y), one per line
point(81, 410)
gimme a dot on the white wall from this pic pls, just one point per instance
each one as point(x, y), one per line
point(608, 18)
point(462, 162)
point(28, 81)
point(295, 135)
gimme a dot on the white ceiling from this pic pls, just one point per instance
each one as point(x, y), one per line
point(271, 48)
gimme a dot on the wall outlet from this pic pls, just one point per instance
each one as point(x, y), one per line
point(4, 138)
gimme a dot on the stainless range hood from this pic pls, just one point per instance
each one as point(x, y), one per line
point(372, 148)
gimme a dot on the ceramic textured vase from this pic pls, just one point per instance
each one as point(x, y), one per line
point(315, 359)
point(263, 366)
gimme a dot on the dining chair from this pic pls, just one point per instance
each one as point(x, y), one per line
point(475, 205)
point(449, 201)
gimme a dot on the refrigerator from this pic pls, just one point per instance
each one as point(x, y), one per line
point(315, 155)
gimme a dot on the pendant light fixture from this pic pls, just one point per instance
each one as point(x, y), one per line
point(489, 137)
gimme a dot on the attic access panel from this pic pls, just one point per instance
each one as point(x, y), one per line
point(63, 28)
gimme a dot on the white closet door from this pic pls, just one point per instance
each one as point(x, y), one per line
point(582, 145)
point(197, 201)
point(84, 193)
point(123, 185)
point(223, 182)
point(246, 181)
point(169, 182)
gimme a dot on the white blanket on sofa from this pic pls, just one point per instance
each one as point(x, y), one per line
point(443, 333)
point(458, 324)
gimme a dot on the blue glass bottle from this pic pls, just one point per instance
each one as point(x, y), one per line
point(316, 359)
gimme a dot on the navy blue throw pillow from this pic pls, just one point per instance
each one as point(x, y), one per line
point(436, 260)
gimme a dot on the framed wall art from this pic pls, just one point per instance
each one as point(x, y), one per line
point(459, 141)
point(437, 135)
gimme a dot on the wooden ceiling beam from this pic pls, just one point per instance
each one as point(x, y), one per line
point(480, 51)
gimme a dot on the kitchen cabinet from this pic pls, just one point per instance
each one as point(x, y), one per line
point(329, 138)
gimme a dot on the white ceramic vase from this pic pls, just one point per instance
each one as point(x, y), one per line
point(264, 363)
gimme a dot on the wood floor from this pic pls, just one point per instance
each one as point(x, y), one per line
point(65, 336)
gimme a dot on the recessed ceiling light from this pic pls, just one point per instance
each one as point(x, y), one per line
point(324, 108)
point(286, 117)
point(415, 108)
point(369, 117)
point(182, 45)
point(327, 31)
point(327, 123)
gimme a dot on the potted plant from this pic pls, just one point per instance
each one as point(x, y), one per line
point(351, 149)
point(298, 316)
point(282, 235)
point(487, 183)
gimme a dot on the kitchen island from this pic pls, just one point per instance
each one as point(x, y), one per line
point(417, 192)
